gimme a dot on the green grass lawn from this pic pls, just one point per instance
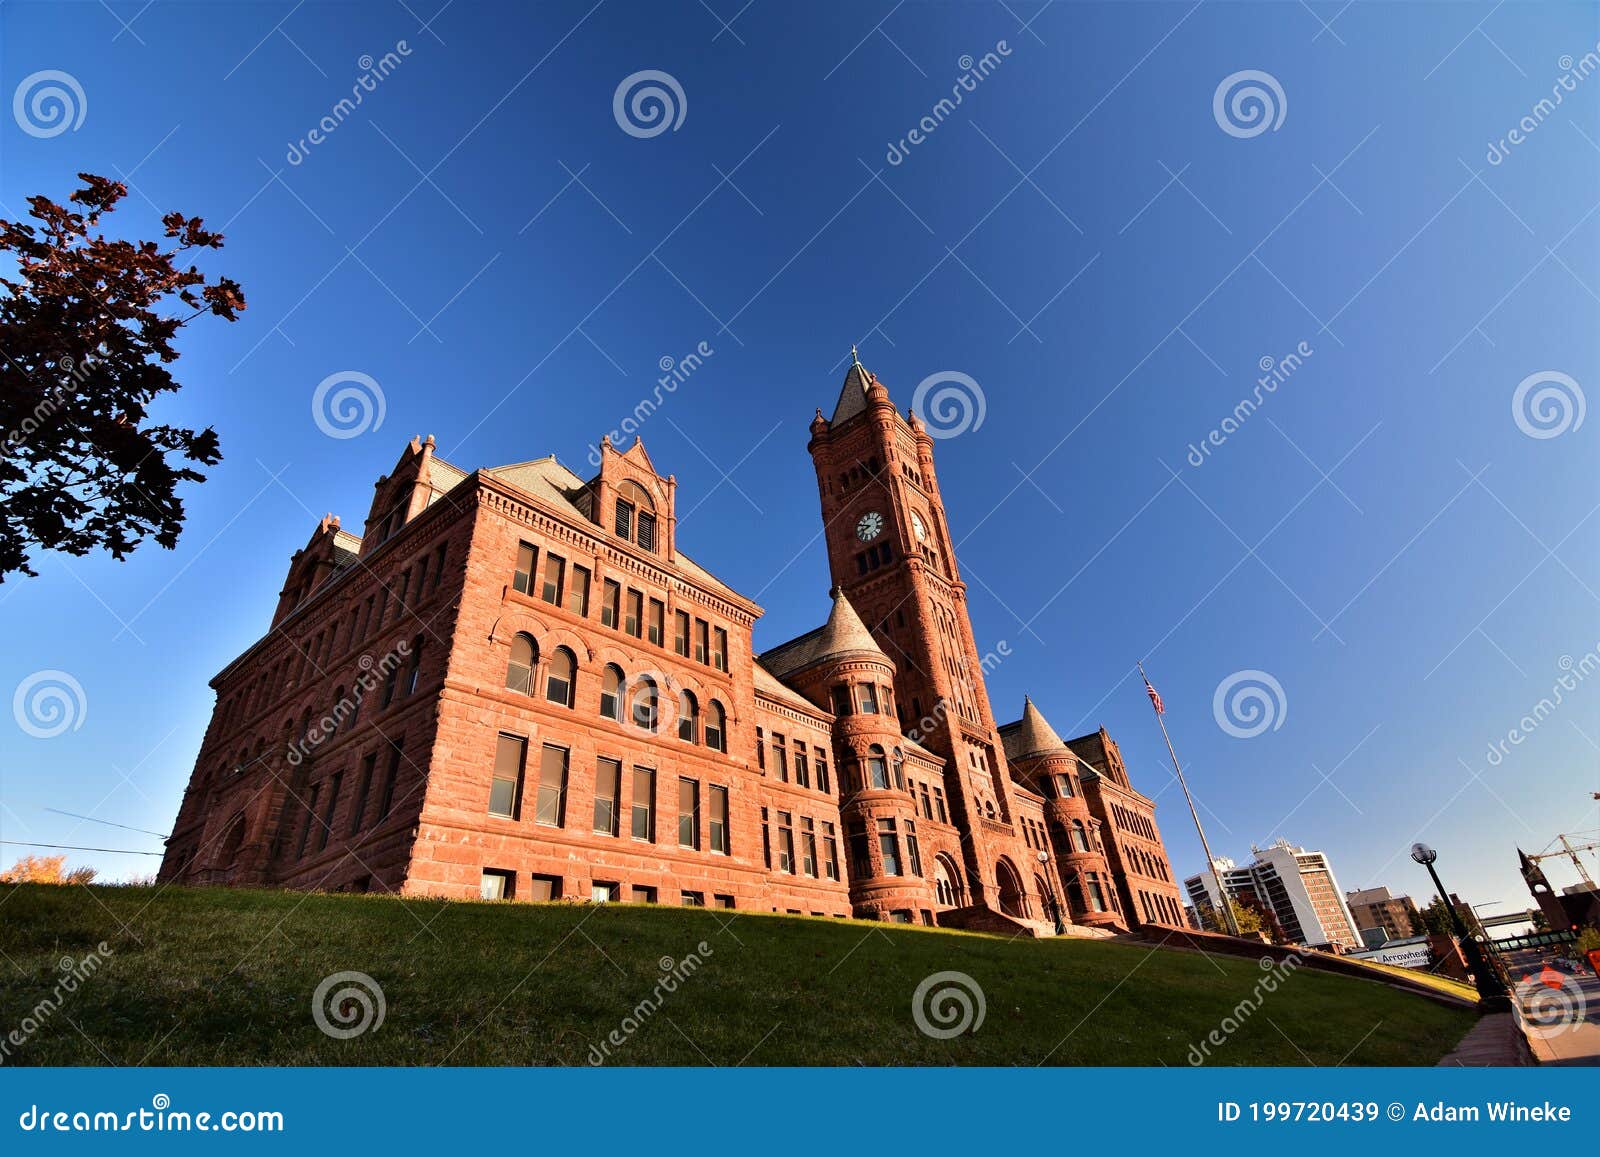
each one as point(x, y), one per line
point(214, 976)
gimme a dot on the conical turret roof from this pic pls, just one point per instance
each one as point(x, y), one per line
point(1030, 735)
point(843, 633)
point(853, 394)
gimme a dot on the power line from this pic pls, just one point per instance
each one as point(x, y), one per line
point(108, 823)
point(75, 848)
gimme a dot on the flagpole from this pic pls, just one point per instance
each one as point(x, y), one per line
point(1222, 893)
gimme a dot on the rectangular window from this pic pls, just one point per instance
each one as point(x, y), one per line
point(702, 644)
point(860, 850)
point(780, 757)
point(761, 749)
point(658, 621)
point(604, 891)
point(719, 819)
point(802, 771)
point(841, 700)
point(938, 805)
point(766, 840)
point(368, 765)
point(505, 792)
point(552, 807)
point(311, 818)
point(497, 884)
point(610, 604)
point(391, 778)
point(554, 571)
point(692, 899)
point(913, 852)
point(415, 669)
point(680, 632)
point(578, 592)
point(632, 614)
point(688, 812)
point(644, 804)
point(889, 847)
point(785, 843)
point(647, 530)
point(607, 779)
point(927, 804)
point(869, 699)
point(822, 772)
point(723, 901)
point(327, 815)
point(624, 523)
point(1064, 784)
point(830, 852)
point(544, 888)
point(719, 649)
point(808, 846)
point(643, 894)
point(438, 565)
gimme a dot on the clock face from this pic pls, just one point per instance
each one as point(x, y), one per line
point(870, 526)
point(917, 528)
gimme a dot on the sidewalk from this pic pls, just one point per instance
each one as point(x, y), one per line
point(1558, 1010)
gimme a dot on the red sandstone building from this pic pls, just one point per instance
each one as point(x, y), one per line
point(514, 683)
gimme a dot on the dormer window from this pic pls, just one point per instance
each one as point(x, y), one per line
point(635, 516)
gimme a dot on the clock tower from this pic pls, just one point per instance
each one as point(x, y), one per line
point(890, 550)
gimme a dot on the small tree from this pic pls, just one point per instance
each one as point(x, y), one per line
point(86, 330)
point(1246, 919)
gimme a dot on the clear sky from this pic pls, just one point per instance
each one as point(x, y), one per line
point(1108, 256)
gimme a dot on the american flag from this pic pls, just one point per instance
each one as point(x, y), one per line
point(1155, 696)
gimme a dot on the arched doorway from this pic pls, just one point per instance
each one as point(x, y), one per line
point(231, 842)
point(1011, 899)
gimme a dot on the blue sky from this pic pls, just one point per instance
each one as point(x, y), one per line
point(1082, 237)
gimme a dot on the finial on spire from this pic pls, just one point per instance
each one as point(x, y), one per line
point(855, 359)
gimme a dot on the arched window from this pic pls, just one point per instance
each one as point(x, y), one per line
point(646, 704)
point(688, 718)
point(899, 769)
point(560, 677)
point(231, 842)
point(716, 727)
point(611, 693)
point(519, 671)
point(877, 772)
point(635, 515)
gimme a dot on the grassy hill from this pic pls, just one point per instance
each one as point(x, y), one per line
point(213, 976)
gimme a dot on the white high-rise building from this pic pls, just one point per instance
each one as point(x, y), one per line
point(1298, 886)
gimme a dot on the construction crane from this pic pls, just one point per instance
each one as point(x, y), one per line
point(1570, 850)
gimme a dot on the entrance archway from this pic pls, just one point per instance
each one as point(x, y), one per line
point(1011, 898)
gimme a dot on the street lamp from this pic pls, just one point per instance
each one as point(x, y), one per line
point(1055, 908)
point(1491, 990)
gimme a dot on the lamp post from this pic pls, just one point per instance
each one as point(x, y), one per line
point(1055, 906)
point(1491, 990)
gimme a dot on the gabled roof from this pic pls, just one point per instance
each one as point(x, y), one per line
point(548, 480)
point(844, 632)
point(1030, 735)
point(766, 683)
